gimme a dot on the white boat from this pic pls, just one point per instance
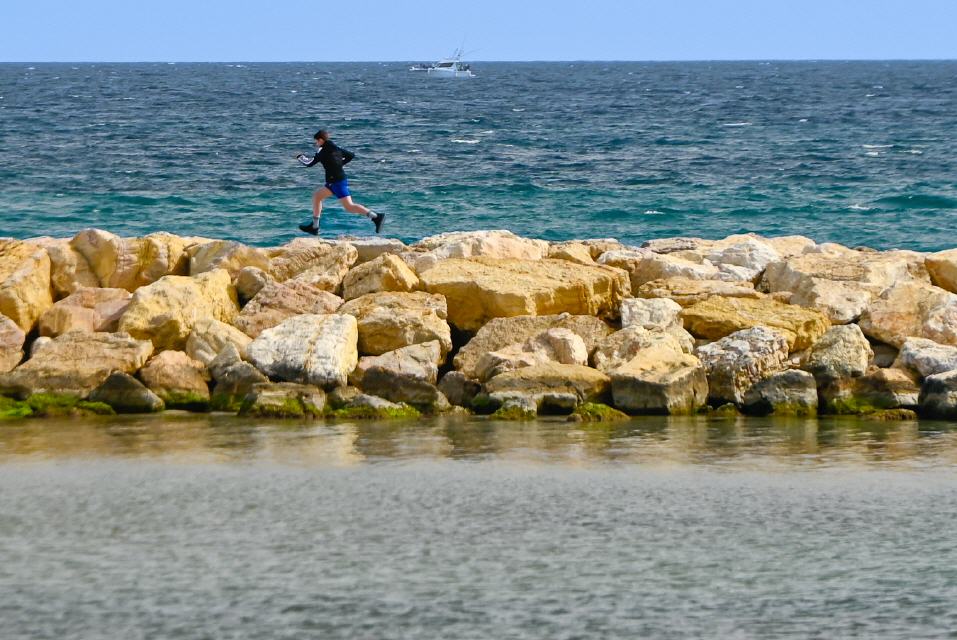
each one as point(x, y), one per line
point(451, 67)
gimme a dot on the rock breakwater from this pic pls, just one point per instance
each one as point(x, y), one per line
point(487, 322)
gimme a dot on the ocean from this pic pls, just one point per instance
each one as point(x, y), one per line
point(861, 153)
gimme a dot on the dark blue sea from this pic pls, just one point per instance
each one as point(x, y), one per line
point(861, 153)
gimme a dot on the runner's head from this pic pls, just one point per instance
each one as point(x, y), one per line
point(321, 136)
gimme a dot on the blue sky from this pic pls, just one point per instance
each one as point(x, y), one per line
point(244, 30)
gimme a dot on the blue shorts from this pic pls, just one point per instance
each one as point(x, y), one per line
point(339, 189)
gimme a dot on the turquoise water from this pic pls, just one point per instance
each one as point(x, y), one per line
point(855, 152)
point(217, 527)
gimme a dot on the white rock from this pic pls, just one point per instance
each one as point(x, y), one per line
point(310, 348)
point(470, 244)
point(842, 352)
point(738, 361)
point(650, 313)
point(750, 257)
point(926, 357)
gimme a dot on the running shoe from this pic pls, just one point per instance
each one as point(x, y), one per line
point(377, 221)
point(310, 228)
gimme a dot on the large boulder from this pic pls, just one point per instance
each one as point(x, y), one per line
point(792, 392)
point(277, 301)
point(942, 268)
point(687, 291)
point(76, 363)
point(405, 375)
point(167, 310)
point(371, 247)
point(650, 313)
point(552, 345)
point(572, 251)
point(743, 259)
point(645, 266)
point(125, 394)
point(385, 273)
point(226, 254)
point(283, 400)
point(389, 320)
point(250, 281)
point(502, 332)
point(310, 348)
point(718, 317)
point(323, 264)
point(234, 379)
point(551, 385)
point(840, 282)
point(912, 309)
point(878, 390)
point(419, 361)
point(841, 302)
point(69, 270)
point(926, 357)
point(738, 361)
point(623, 346)
point(473, 244)
point(130, 263)
point(659, 381)
point(25, 289)
point(210, 336)
point(480, 289)
point(12, 338)
point(938, 396)
point(459, 389)
point(86, 309)
point(842, 352)
point(180, 381)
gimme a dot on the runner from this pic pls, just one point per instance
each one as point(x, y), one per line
point(333, 158)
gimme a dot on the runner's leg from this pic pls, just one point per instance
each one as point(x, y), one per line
point(353, 207)
point(317, 197)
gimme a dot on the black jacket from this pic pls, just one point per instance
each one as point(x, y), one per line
point(332, 158)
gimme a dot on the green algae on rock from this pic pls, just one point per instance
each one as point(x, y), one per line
point(597, 412)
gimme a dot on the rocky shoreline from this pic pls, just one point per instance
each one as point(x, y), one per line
point(485, 322)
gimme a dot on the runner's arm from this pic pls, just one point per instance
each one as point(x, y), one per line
point(305, 161)
point(347, 156)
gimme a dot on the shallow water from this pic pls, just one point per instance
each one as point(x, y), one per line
point(217, 527)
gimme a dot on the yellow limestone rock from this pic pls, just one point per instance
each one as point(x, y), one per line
point(130, 263)
point(719, 316)
point(76, 363)
point(500, 332)
point(480, 289)
point(323, 264)
point(25, 289)
point(687, 291)
point(226, 254)
point(87, 309)
point(385, 273)
point(552, 378)
point(390, 320)
point(942, 267)
point(912, 309)
point(167, 310)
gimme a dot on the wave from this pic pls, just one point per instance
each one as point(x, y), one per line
point(919, 201)
point(737, 124)
point(465, 141)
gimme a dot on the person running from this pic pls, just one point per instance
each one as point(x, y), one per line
point(333, 158)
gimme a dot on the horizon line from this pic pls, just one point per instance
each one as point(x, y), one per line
point(551, 60)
